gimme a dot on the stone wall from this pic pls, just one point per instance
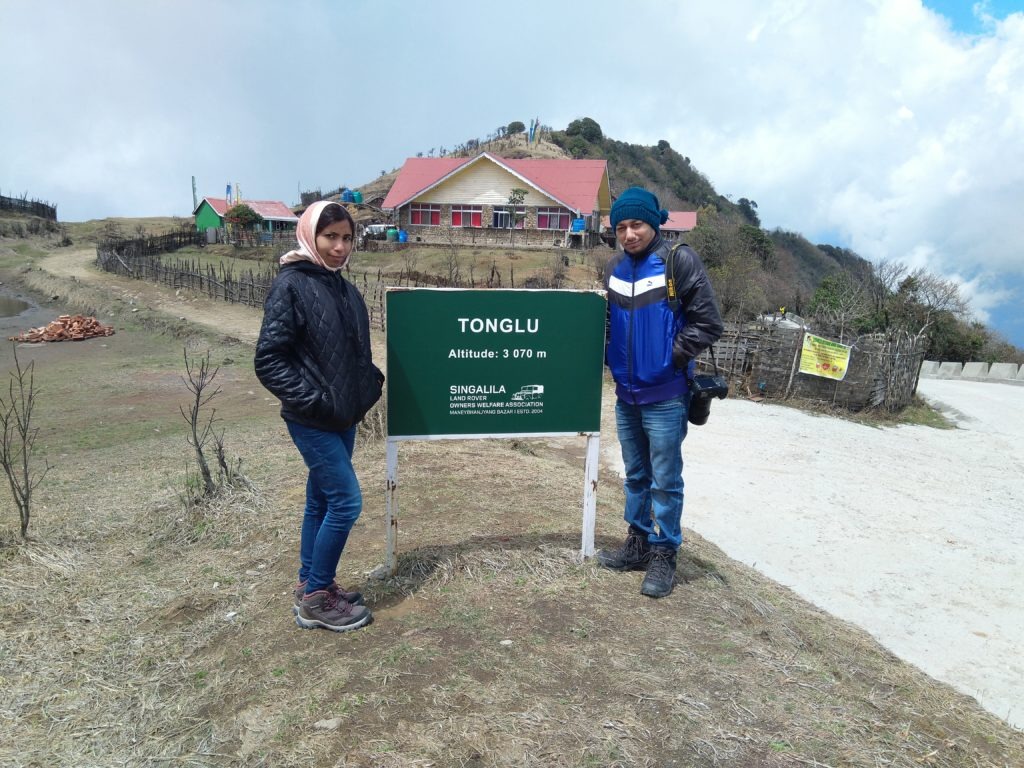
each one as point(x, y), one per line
point(973, 371)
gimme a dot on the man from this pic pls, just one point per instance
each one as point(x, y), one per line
point(651, 351)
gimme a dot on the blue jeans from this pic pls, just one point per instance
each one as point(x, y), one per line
point(333, 501)
point(651, 437)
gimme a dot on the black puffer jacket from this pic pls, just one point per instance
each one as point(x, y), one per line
point(313, 353)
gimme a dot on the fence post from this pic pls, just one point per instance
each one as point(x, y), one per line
point(797, 345)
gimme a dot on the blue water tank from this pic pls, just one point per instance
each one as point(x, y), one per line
point(347, 196)
point(403, 236)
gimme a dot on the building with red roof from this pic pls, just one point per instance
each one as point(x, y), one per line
point(466, 199)
point(277, 216)
point(672, 230)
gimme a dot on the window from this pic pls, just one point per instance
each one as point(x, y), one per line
point(553, 218)
point(503, 216)
point(425, 214)
point(466, 215)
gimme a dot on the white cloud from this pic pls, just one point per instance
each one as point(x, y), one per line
point(876, 119)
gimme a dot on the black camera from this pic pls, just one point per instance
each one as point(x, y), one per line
point(705, 388)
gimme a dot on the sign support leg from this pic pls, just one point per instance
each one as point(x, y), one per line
point(590, 493)
point(391, 509)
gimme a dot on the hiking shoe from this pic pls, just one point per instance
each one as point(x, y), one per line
point(661, 573)
point(355, 598)
point(324, 609)
point(633, 555)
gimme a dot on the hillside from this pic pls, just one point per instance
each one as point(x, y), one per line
point(163, 634)
point(799, 265)
point(755, 270)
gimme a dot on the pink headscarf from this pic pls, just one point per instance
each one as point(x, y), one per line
point(305, 231)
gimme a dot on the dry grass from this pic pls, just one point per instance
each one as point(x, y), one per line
point(133, 633)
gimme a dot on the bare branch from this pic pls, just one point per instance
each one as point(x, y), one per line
point(18, 438)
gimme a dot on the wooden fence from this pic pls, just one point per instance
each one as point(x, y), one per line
point(764, 358)
point(32, 207)
point(759, 358)
point(216, 282)
point(281, 240)
point(150, 245)
point(146, 259)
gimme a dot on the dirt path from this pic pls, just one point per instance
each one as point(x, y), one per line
point(235, 320)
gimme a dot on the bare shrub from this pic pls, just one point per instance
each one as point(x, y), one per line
point(199, 487)
point(374, 426)
point(18, 439)
point(597, 261)
point(452, 262)
point(559, 267)
point(410, 261)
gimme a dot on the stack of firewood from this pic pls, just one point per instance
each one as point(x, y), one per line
point(66, 328)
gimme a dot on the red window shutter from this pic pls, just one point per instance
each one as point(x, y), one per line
point(476, 218)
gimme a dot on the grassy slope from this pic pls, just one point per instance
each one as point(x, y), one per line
point(137, 633)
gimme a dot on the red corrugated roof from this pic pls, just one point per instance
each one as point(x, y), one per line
point(574, 183)
point(268, 209)
point(681, 221)
point(418, 174)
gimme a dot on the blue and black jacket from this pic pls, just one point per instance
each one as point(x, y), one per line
point(651, 348)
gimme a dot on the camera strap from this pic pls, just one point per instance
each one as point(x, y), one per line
point(672, 267)
point(671, 274)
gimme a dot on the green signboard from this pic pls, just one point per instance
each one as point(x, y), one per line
point(486, 362)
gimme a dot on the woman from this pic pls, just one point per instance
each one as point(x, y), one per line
point(313, 354)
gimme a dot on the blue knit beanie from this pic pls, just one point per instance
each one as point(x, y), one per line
point(638, 203)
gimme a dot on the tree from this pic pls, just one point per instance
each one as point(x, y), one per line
point(578, 147)
point(758, 244)
point(243, 216)
point(452, 262)
point(840, 301)
point(731, 265)
point(199, 382)
point(515, 127)
point(922, 297)
point(585, 127)
point(749, 210)
point(515, 199)
point(955, 341)
point(707, 237)
point(18, 439)
point(885, 278)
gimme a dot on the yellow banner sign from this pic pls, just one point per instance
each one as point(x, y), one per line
point(821, 357)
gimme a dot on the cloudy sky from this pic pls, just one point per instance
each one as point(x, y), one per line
point(892, 127)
